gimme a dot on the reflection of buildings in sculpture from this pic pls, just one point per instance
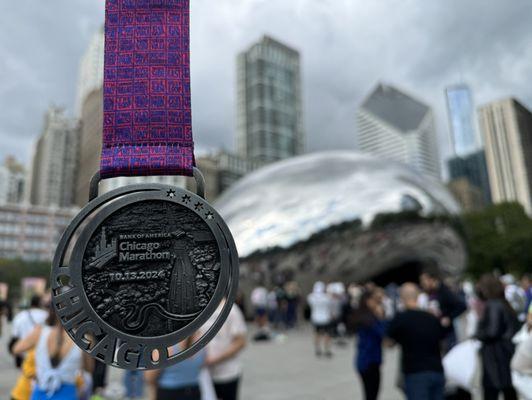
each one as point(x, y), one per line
point(341, 215)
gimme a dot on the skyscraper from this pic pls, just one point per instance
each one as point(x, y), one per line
point(469, 160)
point(90, 144)
point(469, 196)
point(270, 122)
point(397, 127)
point(55, 161)
point(506, 126)
point(473, 168)
point(461, 110)
point(221, 170)
point(90, 70)
point(12, 182)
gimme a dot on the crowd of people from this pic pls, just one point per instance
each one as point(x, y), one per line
point(434, 322)
point(275, 309)
point(442, 329)
point(52, 367)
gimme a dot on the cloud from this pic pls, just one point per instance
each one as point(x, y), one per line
point(347, 46)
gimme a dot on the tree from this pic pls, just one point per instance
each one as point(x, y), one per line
point(499, 238)
point(13, 271)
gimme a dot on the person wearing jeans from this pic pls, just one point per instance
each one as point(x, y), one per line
point(369, 325)
point(134, 384)
point(424, 385)
point(419, 334)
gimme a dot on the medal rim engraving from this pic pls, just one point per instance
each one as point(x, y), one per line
point(227, 285)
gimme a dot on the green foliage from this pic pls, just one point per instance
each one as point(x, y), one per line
point(499, 238)
point(13, 271)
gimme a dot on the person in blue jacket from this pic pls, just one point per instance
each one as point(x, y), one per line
point(370, 328)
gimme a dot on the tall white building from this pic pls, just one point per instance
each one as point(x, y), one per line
point(507, 129)
point(90, 69)
point(55, 158)
point(12, 182)
point(397, 127)
point(269, 106)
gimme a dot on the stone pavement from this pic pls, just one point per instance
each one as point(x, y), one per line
point(286, 369)
point(282, 369)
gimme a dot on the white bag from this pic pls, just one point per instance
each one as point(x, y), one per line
point(461, 364)
point(206, 385)
point(523, 384)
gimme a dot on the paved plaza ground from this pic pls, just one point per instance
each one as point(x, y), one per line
point(284, 368)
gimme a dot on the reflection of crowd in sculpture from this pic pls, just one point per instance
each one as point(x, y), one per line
point(349, 253)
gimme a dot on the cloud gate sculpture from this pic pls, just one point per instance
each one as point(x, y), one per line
point(341, 216)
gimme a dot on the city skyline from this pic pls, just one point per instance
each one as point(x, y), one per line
point(332, 38)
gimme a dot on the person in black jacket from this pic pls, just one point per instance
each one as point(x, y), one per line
point(496, 327)
point(449, 304)
point(419, 334)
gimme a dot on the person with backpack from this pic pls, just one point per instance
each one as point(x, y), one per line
point(24, 323)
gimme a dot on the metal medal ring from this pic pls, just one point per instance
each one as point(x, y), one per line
point(154, 300)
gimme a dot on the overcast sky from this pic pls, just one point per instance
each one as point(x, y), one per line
point(347, 46)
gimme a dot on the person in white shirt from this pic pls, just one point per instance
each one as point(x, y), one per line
point(223, 353)
point(321, 316)
point(259, 300)
point(24, 323)
point(26, 320)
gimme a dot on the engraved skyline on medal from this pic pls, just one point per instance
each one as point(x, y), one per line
point(150, 268)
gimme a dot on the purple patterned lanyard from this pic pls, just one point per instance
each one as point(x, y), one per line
point(147, 127)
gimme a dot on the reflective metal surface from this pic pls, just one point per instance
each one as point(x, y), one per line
point(342, 215)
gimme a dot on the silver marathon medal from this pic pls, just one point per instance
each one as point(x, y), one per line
point(141, 269)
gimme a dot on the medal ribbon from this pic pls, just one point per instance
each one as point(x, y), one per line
point(147, 128)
